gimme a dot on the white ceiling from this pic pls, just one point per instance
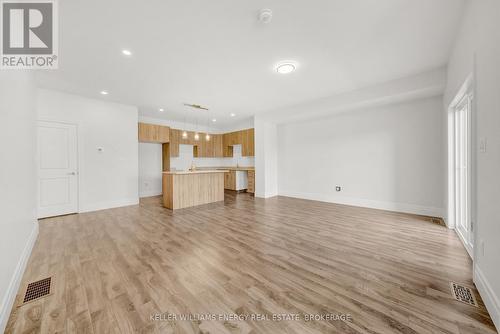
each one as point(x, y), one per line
point(216, 53)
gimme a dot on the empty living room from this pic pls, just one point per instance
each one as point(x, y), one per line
point(278, 166)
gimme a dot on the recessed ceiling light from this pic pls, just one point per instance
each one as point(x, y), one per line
point(286, 67)
point(103, 92)
point(214, 120)
point(161, 110)
point(127, 52)
point(232, 114)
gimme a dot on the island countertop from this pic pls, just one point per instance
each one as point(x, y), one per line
point(240, 168)
point(186, 172)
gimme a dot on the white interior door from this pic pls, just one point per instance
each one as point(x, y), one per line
point(58, 169)
point(462, 139)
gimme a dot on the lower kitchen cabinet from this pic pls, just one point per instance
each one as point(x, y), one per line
point(230, 180)
point(251, 181)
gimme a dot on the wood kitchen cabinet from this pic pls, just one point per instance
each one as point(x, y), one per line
point(217, 146)
point(251, 182)
point(152, 133)
point(163, 134)
point(248, 143)
point(230, 180)
point(245, 138)
point(228, 142)
point(201, 147)
point(175, 136)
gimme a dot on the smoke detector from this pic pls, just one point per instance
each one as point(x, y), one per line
point(265, 15)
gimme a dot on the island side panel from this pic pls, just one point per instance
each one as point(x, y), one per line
point(187, 190)
point(168, 190)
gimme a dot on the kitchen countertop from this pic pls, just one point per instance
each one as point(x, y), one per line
point(228, 168)
point(197, 171)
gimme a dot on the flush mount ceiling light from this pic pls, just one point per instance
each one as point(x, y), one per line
point(286, 67)
point(161, 110)
point(126, 52)
point(232, 114)
point(104, 92)
point(214, 120)
point(265, 15)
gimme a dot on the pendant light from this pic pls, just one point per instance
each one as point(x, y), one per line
point(207, 136)
point(196, 135)
point(184, 132)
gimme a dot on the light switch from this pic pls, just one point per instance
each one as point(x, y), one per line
point(482, 145)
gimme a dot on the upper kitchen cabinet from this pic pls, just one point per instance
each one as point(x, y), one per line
point(245, 138)
point(152, 133)
point(248, 143)
point(175, 138)
point(201, 147)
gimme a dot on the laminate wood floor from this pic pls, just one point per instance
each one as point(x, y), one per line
point(115, 270)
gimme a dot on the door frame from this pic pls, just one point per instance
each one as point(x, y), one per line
point(467, 89)
point(78, 173)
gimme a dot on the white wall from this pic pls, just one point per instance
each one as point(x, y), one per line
point(266, 160)
point(150, 169)
point(109, 178)
point(18, 184)
point(477, 50)
point(150, 156)
point(386, 157)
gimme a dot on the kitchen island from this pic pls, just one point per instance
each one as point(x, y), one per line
point(183, 189)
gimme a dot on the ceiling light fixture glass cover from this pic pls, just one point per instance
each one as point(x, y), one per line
point(104, 92)
point(127, 52)
point(286, 67)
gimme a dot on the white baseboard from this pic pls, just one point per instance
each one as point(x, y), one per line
point(10, 295)
point(269, 195)
point(150, 193)
point(109, 205)
point(366, 203)
point(491, 301)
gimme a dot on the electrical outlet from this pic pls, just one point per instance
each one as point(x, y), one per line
point(338, 188)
